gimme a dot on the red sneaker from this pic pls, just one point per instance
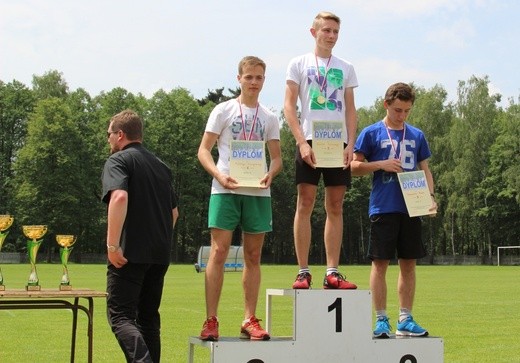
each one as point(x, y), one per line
point(303, 281)
point(252, 330)
point(210, 329)
point(337, 281)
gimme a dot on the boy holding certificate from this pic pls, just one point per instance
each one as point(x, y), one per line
point(240, 191)
point(325, 136)
point(386, 148)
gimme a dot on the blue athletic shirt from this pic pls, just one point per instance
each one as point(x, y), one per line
point(374, 144)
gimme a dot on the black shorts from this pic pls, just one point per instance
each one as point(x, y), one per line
point(395, 232)
point(331, 176)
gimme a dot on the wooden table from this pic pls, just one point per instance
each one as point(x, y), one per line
point(16, 299)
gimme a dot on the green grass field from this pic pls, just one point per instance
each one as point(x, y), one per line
point(475, 309)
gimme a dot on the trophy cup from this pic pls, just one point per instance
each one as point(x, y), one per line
point(5, 222)
point(65, 241)
point(34, 233)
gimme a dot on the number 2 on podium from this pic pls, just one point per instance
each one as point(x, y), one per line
point(336, 305)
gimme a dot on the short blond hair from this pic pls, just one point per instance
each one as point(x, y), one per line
point(324, 15)
point(252, 61)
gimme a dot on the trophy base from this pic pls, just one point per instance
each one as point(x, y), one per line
point(2, 287)
point(33, 288)
point(65, 287)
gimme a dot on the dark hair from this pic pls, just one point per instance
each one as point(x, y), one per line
point(130, 123)
point(399, 91)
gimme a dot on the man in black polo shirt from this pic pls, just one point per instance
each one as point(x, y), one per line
point(142, 210)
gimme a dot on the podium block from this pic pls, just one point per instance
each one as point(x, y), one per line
point(328, 326)
point(408, 350)
point(229, 350)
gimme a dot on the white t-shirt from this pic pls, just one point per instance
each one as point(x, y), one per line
point(225, 120)
point(340, 75)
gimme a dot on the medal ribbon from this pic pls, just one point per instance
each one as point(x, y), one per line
point(244, 123)
point(322, 86)
point(392, 141)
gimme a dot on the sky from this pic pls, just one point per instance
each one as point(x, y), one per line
point(145, 46)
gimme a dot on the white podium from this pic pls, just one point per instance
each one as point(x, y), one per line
point(328, 326)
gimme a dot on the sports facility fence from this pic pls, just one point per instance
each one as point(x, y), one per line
point(512, 259)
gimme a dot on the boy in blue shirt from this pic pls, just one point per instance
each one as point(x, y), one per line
point(388, 147)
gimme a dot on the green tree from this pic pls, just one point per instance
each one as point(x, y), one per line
point(433, 116)
point(53, 146)
point(470, 139)
point(16, 104)
point(500, 188)
point(217, 96)
point(174, 126)
point(279, 244)
point(51, 84)
point(84, 116)
point(48, 173)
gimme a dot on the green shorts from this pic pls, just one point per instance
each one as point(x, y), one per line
point(253, 214)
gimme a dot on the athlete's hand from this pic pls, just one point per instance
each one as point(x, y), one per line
point(392, 165)
point(226, 181)
point(266, 181)
point(348, 156)
point(308, 155)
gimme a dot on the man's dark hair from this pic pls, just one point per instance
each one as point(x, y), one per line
point(130, 123)
point(400, 91)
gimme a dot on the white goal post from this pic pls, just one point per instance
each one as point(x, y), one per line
point(503, 247)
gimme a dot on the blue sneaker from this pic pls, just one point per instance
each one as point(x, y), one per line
point(408, 327)
point(382, 330)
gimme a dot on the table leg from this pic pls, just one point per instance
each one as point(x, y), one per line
point(74, 328)
point(90, 328)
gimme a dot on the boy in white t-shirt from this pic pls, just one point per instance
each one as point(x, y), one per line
point(325, 86)
point(245, 120)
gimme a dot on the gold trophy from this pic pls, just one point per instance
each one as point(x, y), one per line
point(65, 241)
point(34, 233)
point(5, 222)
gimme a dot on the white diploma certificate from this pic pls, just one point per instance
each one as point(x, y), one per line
point(416, 193)
point(247, 163)
point(327, 143)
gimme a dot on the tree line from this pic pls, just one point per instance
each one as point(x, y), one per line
point(53, 146)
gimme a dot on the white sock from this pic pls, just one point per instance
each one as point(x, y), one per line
point(380, 314)
point(331, 270)
point(404, 313)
